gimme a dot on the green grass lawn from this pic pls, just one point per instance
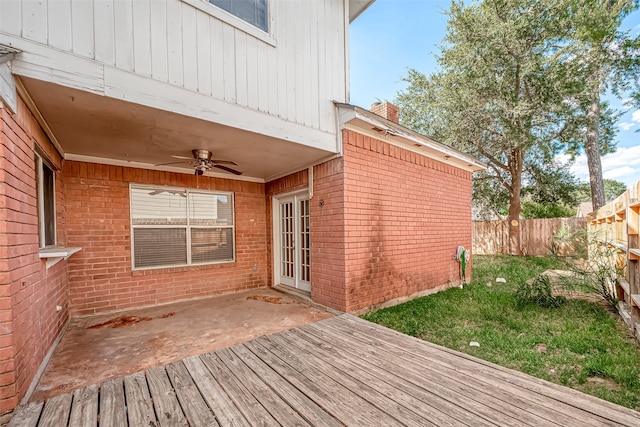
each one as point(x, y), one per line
point(587, 347)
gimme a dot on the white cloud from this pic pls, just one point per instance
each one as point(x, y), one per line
point(625, 125)
point(635, 116)
point(618, 173)
point(623, 165)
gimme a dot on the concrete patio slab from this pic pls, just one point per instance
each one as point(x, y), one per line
point(97, 348)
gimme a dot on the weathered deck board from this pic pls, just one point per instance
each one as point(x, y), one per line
point(336, 397)
point(164, 398)
point(27, 416)
point(84, 411)
point(283, 413)
point(196, 410)
point(582, 405)
point(139, 404)
point(307, 408)
point(477, 403)
point(340, 371)
point(221, 405)
point(112, 410)
point(56, 411)
point(374, 393)
point(425, 403)
point(252, 410)
point(513, 400)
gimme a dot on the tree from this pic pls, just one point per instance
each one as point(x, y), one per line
point(612, 189)
point(546, 210)
point(501, 93)
point(608, 60)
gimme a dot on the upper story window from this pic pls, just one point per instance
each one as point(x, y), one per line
point(254, 12)
point(45, 177)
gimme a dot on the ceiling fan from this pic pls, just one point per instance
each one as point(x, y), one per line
point(203, 162)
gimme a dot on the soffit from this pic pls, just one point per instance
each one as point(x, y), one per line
point(106, 130)
point(368, 123)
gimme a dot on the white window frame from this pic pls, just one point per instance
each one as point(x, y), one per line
point(187, 227)
point(236, 22)
point(40, 164)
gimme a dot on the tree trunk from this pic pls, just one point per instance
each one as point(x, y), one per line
point(515, 205)
point(592, 148)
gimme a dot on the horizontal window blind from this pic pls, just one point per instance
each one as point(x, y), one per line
point(255, 12)
point(175, 226)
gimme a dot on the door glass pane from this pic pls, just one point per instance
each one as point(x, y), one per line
point(305, 253)
point(286, 239)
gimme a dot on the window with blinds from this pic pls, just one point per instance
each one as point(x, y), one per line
point(255, 12)
point(178, 226)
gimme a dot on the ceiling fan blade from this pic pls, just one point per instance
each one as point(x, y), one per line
point(224, 162)
point(182, 157)
point(174, 163)
point(224, 168)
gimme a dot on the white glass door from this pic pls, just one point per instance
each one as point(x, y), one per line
point(293, 241)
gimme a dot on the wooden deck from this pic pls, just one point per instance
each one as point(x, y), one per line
point(340, 371)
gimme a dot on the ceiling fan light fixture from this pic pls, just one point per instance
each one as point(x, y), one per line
point(202, 155)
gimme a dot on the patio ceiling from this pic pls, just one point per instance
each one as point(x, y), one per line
point(99, 129)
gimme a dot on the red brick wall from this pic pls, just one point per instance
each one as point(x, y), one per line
point(289, 183)
point(29, 293)
point(328, 235)
point(385, 223)
point(327, 229)
point(97, 211)
point(405, 215)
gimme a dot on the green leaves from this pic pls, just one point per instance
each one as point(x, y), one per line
point(516, 80)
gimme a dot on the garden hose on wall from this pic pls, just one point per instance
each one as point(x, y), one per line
point(462, 256)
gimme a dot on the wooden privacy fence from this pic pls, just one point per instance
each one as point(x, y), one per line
point(617, 225)
point(492, 237)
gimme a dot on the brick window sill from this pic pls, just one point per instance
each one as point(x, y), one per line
point(55, 255)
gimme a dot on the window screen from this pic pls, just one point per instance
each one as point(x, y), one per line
point(175, 226)
point(252, 11)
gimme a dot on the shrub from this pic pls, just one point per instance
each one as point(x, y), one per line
point(538, 291)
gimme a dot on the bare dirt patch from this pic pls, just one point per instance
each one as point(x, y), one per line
point(167, 315)
point(604, 382)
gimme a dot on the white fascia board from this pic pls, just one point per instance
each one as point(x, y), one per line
point(356, 7)
point(362, 121)
point(8, 94)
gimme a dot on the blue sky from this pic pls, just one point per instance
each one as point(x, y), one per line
point(392, 36)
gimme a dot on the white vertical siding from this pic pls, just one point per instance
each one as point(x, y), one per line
point(216, 47)
point(60, 13)
point(293, 73)
point(141, 37)
point(104, 31)
point(158, 40)
point(34, 20)
point(174, 42)
point(189, 47)
point(204, 54)
point(123, 22)
point(82, 28)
